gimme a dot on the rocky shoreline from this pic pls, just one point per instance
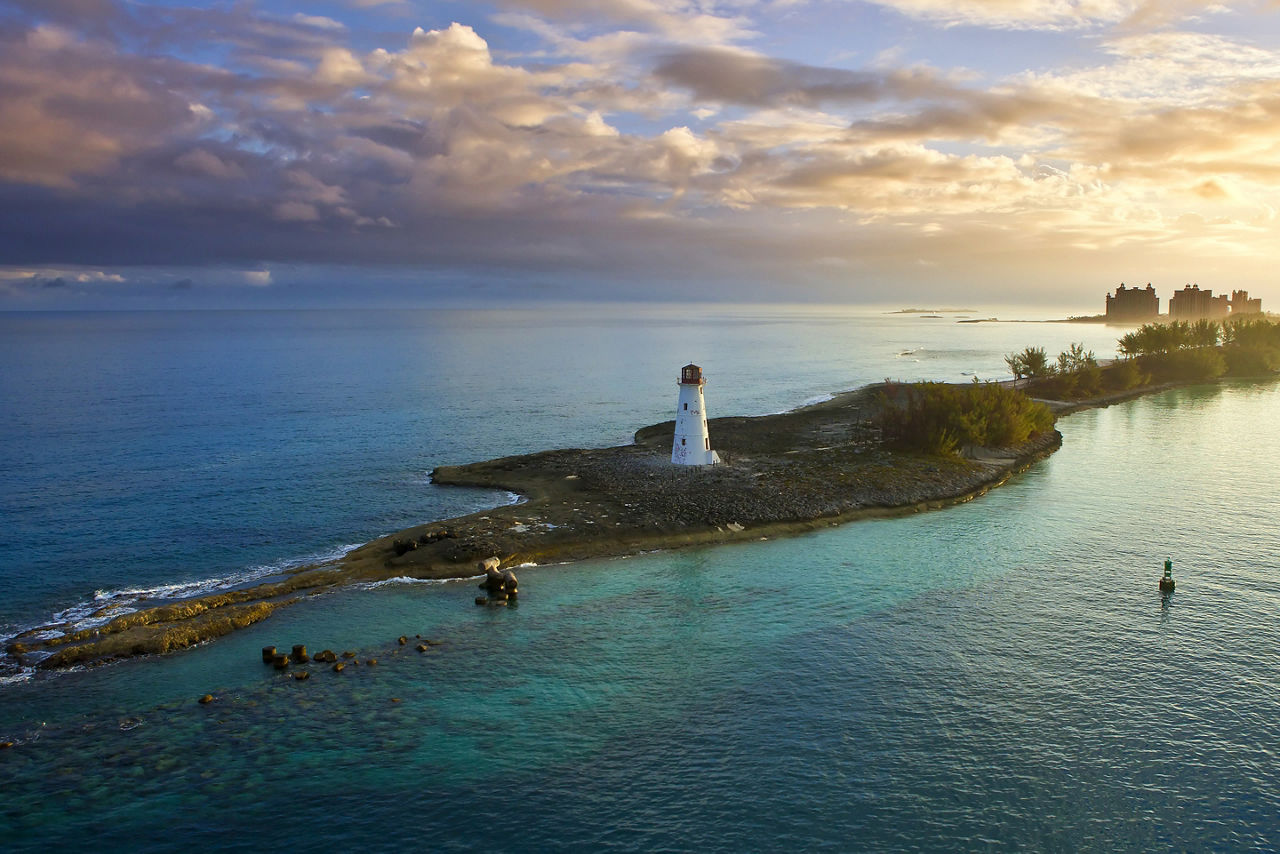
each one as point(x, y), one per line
point(797, 471)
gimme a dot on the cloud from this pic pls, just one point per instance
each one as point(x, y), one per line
point(612, 142)
point(318, 21)
point(742, 77)
point(296, 212)
point(675, 20)
point(1055, 14)
point(203, 162)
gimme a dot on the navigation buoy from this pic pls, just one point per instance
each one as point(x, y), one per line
point(1166, 583)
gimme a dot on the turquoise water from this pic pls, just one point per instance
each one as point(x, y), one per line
point(1001, 674)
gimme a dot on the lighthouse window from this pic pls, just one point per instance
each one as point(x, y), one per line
point(686, 406)
point(708, 441)
point(682, 441)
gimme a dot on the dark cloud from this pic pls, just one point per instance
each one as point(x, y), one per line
point(408, 136)
point(737, 77)
point(182, 285)
point(52, 283)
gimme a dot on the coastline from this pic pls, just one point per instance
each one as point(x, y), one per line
point(816, 466)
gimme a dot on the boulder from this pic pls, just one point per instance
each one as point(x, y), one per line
point(339, 667)
point(302, 674)
point(206, 699)
point(403, 640)
point(489, 563)
point(300, 653)
point(268, 654)
point(281, 661)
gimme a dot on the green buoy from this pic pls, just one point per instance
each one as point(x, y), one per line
point(1166, 583)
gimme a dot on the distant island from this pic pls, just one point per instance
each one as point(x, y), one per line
point(932, 311)
point(883, 450)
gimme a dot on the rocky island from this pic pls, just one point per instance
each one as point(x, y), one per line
point(882, 450)
point(819, 465)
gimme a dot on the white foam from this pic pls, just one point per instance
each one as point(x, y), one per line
point(25, 674)
point(405, 579)
point(106, 605)
point(821, 398)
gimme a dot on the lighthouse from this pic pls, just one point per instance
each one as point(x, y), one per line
point(692, 444)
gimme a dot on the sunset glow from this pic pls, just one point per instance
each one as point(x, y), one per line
point(410, 151)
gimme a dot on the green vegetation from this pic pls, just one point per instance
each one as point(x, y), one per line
point(939, 418)
point(1157, 352)
point(1031, 362)
point(1205, 349)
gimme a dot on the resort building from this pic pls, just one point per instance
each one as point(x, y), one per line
point(1241, 304)
point(1133, 304)
point(692, 443)
point(1191, 303)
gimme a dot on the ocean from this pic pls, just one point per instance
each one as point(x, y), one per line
point(998, 675)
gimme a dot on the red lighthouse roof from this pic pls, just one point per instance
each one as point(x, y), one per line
point(691, 374)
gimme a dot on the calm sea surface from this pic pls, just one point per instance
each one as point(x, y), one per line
point(998, 675)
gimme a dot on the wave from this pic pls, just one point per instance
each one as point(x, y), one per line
point(812, 401)
point(106, 605)
point(19, 674)
point(406, 579)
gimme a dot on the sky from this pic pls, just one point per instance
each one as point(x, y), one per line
point(436, 152)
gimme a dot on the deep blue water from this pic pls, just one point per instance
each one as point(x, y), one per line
point(998, 675)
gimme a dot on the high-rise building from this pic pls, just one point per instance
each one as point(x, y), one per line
point(1241, 304)
point(1191, 303)
point(1133, 304)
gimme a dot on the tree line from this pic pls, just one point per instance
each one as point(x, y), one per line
point(1180, 351)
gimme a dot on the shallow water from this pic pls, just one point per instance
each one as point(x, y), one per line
point(1001, 674)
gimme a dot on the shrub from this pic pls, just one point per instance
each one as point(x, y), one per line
point(938, 418)
point(1202, 363)
point(1125, 375)
point(1251, 361)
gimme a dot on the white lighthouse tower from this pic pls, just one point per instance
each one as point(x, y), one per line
point(692, 445)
